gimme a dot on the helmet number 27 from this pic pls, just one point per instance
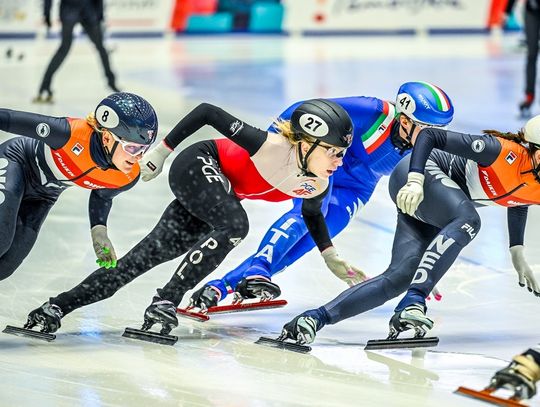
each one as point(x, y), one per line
point(310, 122)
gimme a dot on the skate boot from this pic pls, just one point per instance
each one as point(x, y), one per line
point(525, 106)
point(256, 287)
point(411, 317)
point(204, 298)
point(519, 377)
point(47, 316)
point(301, 329)
point(162, 312)
point(44, 96)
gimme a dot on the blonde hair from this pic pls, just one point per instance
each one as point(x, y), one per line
point(92, 122)
point(284, 127)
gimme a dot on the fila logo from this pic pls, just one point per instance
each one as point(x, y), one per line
point(3, 169)
point(268, 250)
point(77, 149)
point(470, 230)
point(430, 257)
point(511, 157)
point(197, 255)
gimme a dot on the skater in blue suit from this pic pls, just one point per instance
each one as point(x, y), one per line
point(381, 139)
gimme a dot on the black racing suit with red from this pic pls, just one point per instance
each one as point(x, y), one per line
point(207, 220)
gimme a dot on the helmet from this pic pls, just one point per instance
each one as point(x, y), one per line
point(531, 131)
point(129, 117)
point(424, 103)
point(323, 120)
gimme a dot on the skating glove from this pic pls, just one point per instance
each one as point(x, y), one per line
point(520, 376)
point(341, 269)
point(525, 273)
point(410, 195)
point(152, 162)
point(106, 256)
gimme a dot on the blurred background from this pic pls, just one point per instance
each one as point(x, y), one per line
point(254, 58)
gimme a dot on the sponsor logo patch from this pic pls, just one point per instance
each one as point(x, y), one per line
point(511, 157)
point(478, 146)
point(236, 127)
point(77, 149)
point(43, 130)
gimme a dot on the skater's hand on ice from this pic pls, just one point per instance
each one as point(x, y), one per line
point(152, 162)
point(106, 256)
point(525, 273)
point(436, 294)
point(520, 376)
point(411, 194)
point(341, 269)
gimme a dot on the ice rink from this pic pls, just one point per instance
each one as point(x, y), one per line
point(483, 320)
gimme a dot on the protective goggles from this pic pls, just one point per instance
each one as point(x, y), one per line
point(334, 152)
point(133, 149)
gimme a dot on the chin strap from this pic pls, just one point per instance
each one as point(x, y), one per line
point(303, 160)
point(109, 154)
point(399, 142)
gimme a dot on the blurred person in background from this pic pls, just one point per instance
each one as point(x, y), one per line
point(532, 35)
point(89, 13)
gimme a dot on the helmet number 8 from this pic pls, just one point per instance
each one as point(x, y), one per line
point(104, 116)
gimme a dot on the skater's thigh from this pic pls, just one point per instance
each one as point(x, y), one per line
point(32, 213)
point(443, 198)
point(443, 201)
point(201, 187)
point(12, 187)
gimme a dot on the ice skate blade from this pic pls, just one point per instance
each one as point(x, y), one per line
point(149, 336)
point(197, 316)
point(401, 343)
point(28, 333)
point(226, 309)
point(485, 395)
point(274, 343)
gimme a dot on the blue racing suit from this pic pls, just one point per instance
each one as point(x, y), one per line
point(375, 151)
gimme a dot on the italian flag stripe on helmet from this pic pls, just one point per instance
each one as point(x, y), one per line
point(442, 102)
